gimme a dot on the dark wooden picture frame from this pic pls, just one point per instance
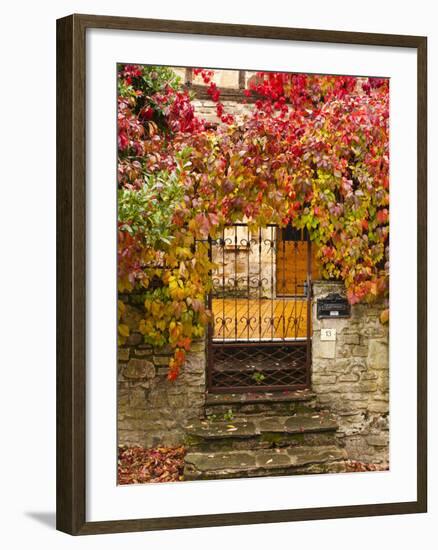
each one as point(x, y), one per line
point(71, 272)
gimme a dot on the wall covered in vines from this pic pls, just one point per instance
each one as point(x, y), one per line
point(313, 152)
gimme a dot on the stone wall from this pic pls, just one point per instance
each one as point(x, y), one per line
point(206, 109)
point(351, 376)
point(151, 409)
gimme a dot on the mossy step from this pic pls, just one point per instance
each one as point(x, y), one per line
point(262, 432)
point(261, 402)
point(258, 397)
point(256, 426)
point(264, 462)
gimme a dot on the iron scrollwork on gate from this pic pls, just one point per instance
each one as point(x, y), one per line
point(260, 302)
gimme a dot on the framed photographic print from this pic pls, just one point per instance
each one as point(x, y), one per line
point(241, 288)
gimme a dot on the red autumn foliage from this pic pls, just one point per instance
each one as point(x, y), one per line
point(313, 153)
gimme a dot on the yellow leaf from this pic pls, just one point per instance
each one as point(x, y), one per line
point(384, 316)
point(124, 330)
point(120, 309)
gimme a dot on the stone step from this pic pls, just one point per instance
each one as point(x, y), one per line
point(236, 404)
point(264, 462)
point(262, 432)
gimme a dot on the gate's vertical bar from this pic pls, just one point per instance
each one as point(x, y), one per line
point(236, 292)
point(210, 328)
point(309, 309)
point(248, 288)
point(294, 315)
point(272, 320)
point(260, 282)
point(283, 263)
point(299, 302)
point(224, 324)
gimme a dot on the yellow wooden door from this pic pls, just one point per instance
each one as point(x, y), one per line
point(292, 265)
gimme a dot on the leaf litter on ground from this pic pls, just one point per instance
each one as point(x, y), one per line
point(150, 465)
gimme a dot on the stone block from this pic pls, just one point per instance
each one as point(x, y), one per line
point(177, 401)
point(325, 399)
point(344, 351)
point(381, 440)
point(323, 379)
point(359, 368)
point(162, 370)
point(339, 367)
point(158, 400)
point(131, 437)
point(366, 386)
point(381, 397)
point(122, 397)
point(350, 338)
point(369, 376)
point(195, 364)
point(379, 407)
point(164, 350)
point(374, 331)
point(353, 377)
point(378, 355)
point(135, 338)
point(147, 414)
point(122, 354)
point(326, 388)
point(360, 351)
point(197, 346)
point(323, 365)
point(143, 352)
point(137, 398)
point(355, 405)
point(161, 360)
point(144, 384)
point(324, 349)
point(383, 381)
point(139, 369)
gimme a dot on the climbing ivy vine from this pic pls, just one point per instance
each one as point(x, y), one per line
point(313, 151)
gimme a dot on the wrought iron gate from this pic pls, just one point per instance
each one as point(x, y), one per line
point(260, 337)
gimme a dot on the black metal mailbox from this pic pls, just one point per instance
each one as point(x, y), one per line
point(333, 306)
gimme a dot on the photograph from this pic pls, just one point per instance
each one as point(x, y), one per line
point(253, 271)
point(216, 275)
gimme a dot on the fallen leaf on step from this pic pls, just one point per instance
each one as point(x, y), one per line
point(269, 461)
